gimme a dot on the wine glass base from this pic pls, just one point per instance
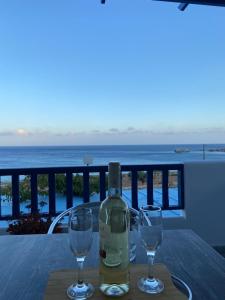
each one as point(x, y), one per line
point(80, 291)
point(150, 285)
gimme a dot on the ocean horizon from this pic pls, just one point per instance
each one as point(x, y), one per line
point(56, 156)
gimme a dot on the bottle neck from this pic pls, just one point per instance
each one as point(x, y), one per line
point(114, 192)
point(114, 180)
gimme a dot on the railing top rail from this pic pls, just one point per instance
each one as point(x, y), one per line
point(90, 169)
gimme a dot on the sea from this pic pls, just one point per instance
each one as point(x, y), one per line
point(55, 156)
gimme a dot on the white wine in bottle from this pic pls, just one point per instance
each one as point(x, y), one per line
point(113, 230)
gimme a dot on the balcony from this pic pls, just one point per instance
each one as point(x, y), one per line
point(190, 194)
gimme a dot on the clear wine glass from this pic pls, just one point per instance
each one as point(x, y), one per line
point(80, 240)
point(150, 222)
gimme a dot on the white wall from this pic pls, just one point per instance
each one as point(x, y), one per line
point(204, 184)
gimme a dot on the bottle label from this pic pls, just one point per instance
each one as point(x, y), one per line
point(114, 242)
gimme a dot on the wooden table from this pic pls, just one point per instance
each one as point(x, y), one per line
point(26, 261)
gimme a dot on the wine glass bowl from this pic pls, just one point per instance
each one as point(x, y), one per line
point(150, 228)
point(133, 234)
point(80, 235)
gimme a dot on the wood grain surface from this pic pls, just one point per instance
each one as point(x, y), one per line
point(59, 281)
point(27, 261)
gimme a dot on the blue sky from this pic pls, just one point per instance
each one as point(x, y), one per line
point(128, 72)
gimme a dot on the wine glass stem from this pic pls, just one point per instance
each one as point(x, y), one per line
point(151, 257)
point(80, 262)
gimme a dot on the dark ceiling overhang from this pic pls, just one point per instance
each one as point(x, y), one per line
point(184, 3)
point(203, 2)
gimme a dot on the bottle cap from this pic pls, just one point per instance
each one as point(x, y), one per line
point(114, 175)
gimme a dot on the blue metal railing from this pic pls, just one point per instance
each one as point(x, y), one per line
point(86, 171)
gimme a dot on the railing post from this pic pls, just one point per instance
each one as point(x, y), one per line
point(102, 185)
point(15, 196)
point(134, 185)
point(0, 196)
point(86, 186)
point(51, 193)
point(69, 189)
point(34, 193)
point(165, 190)
point(150, 187)
point(181, 188)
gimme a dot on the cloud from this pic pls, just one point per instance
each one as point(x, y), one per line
point(138, 131)
point(67, 133)
point(22, 132)
point(130, 128)
point(129, 131)
point(16, 132)
point(96, 131)
point(113, 130)
point(7, 133)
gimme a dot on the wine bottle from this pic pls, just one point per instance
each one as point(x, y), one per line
point(113, 231)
